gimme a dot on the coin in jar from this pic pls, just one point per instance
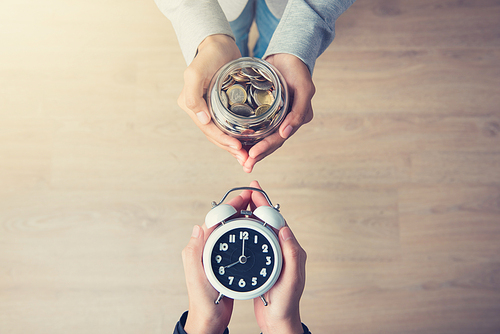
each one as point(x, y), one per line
point(236, 94)
point(249, 72)
point(262, 85)
point(264, 97)
point(223, 99)
point(262, 109)
point(242, 110)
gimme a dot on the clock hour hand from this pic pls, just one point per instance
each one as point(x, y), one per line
point(241, 260)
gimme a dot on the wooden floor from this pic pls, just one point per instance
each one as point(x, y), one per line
point(393, 189)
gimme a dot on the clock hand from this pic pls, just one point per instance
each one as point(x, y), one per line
point(232, 264)
point(239, 261)
point(243, 247)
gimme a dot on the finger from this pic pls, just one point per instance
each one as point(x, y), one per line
point(266, 146)
point(294, 258)
point(192, 259)
point(241, 201)
point(258, 199)
point(192, 93)
point(261, 150)
point(232, 145)
point(301, 113)
point(207, 232)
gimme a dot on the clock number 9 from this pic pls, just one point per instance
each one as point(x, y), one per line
point(218, 258)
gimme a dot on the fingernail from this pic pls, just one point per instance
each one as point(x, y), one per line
point(288, 130)
point(196, 231)
point(202, 117)
point(286, 234)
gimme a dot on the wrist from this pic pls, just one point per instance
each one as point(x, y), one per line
point(289, 326)
point(198, 325)
point(217, 39)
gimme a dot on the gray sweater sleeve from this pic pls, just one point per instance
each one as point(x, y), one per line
point(307, 28)
point(193, 21)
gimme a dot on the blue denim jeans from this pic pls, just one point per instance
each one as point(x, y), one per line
point(266, 24)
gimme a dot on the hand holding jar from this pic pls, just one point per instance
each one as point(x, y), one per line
point(291, 109)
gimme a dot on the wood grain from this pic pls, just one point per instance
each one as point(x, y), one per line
point(393, 189)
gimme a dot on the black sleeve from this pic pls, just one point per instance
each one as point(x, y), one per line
point(179, 327)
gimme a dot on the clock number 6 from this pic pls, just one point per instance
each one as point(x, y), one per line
point(242, 283)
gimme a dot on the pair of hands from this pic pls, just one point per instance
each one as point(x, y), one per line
point(281, 315)
point(214, 52)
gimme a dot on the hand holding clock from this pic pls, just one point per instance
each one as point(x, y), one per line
point(282, 313)
point(204, 316)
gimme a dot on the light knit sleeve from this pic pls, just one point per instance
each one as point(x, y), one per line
point(307, 28)
point(193, 21)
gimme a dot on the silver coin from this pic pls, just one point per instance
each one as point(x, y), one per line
point(265, 75)
point(242, 110)
point(262, 85)
point(224, 99)
point(236, 94)
point(249, 72)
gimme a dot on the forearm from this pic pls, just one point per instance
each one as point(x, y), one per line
point(307, 28)
point(193, 21)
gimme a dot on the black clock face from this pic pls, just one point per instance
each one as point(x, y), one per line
point(242, 259)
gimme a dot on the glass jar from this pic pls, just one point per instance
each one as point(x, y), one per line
point(248, 99)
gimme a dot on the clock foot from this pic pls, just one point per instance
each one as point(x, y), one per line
point(263, 300)
point(217, 301)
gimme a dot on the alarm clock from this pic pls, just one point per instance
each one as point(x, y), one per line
point(242, 257)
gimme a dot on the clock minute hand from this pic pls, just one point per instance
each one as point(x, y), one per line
point(243, 247)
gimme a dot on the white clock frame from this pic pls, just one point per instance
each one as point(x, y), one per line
point(249, 223)
point(268, 218)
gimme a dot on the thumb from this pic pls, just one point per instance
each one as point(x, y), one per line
point(192, 256)
point(294, 258)
point(191, 97)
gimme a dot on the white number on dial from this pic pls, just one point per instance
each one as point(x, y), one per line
point(222, 270)
point(254, 281)
point(218, 258)
point(223, 246)
point(243, 235)
point(268, 260)
point(242, 283)
point(232, 238)
point(265, 248)
point(231, 278)
point(263, 272)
